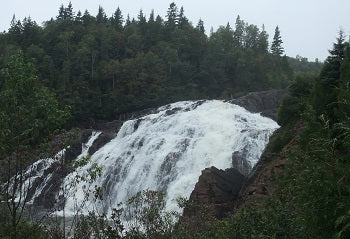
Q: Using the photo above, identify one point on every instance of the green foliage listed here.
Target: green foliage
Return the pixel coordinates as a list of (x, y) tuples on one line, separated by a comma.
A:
[(101, 67), (289, 110), (29, 112), (312, 196), (294, 102), (301, 65), (82, 162), (24, 230), (326, 88), (99, 226), (276, 46), (29, 115), (280, 139)]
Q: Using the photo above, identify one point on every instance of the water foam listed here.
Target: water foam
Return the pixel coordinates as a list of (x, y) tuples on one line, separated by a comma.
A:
[(166, 151)]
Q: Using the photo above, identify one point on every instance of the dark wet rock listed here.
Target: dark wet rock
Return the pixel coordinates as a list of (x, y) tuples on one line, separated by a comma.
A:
[(101, 140), (75, 147), (73, 151), (172, 111), (109, 131), (50, 192), (195, 105), (85, 135), (239, 162), (137, 124), (216, 189), (264, 102), (111, 126)]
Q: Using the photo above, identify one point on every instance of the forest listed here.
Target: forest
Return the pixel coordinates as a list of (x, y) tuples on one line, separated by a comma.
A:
[(102, 67), (77, 69)]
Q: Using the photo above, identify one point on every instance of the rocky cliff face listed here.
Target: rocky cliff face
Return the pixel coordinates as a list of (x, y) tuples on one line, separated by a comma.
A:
[(260, 183), (215, 189), (264, 102)]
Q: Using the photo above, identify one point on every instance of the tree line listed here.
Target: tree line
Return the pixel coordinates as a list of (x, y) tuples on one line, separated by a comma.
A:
[(103, 66)]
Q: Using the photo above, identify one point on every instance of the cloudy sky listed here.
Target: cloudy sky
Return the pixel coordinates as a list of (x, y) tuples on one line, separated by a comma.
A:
[(308, 27)]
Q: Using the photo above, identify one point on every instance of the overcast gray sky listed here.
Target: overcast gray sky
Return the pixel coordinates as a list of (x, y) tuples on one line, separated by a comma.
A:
[(308, 27)]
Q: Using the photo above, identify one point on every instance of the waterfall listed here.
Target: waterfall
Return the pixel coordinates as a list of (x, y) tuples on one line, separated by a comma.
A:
[(166, 151), (163, 151)]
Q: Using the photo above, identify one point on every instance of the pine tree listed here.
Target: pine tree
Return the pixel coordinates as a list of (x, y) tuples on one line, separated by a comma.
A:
[(276, 46), (238, 33), (16, 30), (68, 12), (181, 18), (87, 18), (101, 15), (172, 15), (326, 88), (141, 18), (127, 21), (200, 26), (78, 17), (60, 13), (151, 17), (344, 89), (263, 43), (117, 19)]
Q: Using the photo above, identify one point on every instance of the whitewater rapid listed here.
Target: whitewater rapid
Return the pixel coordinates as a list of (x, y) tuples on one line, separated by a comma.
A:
[(166, 151)]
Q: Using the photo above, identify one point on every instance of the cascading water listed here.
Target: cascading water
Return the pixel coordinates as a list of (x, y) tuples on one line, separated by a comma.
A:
[(164, 151)]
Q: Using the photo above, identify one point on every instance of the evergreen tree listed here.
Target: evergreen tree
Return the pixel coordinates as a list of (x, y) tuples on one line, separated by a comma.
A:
[(101, 15), (181, 18), (263, 43), (79, 17), (127, 21), (141, 18), (326, 88), (200, 26), (151, 17), (117, 19), (172, 14), (344, 89), (60, 13), (238, 33), (68, 12), (276, 46), (72, 59), (87, 18), (16, 30)]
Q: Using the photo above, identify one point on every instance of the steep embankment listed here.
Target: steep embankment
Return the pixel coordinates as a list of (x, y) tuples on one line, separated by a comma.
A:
[(260, 183)]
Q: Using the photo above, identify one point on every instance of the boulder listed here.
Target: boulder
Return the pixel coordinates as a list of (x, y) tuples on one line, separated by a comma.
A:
[(216, 189), (264, 102)]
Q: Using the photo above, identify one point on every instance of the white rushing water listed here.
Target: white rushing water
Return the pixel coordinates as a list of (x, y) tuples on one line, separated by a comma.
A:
[(166, 151)]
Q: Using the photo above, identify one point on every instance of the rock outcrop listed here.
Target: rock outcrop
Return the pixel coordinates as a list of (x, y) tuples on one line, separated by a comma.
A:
[(216, 189), (240, 163), (264, 102)]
